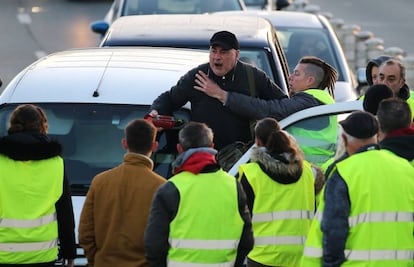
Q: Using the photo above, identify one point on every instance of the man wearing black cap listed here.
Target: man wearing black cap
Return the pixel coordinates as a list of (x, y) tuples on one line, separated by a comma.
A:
[(224, 70), (368, 205)]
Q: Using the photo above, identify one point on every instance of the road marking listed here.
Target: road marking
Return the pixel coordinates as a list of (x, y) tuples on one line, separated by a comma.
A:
[(24, 18)]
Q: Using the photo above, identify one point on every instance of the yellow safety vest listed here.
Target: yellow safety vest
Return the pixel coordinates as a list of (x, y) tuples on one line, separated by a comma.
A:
[(381, 225), (207, 228), (318, 144), (281, 215), (28, 225)]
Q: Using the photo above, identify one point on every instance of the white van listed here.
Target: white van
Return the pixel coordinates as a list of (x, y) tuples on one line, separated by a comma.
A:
[(89, 95)]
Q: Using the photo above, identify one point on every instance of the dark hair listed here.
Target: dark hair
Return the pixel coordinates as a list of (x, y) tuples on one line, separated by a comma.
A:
[(325, 75), (195, 134), (28, 118), (140, 135), (275, 140), (393, 113)]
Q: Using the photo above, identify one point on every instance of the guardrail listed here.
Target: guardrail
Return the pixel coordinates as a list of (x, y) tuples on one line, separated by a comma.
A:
[(359, 46)]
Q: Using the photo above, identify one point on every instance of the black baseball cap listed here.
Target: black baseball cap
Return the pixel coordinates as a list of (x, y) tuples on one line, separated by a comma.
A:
[(225, 39), (360, 124)]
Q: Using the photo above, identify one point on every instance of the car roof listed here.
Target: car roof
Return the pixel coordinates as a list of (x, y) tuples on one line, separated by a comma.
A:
[(282, 18), (119, 75), (134, 30)]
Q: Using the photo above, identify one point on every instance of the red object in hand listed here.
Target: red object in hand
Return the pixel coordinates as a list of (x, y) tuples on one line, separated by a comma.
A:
[(161, 121)]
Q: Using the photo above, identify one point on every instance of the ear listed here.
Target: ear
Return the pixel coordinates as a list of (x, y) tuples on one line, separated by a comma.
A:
[(237, 54), (124, 143), (311, 81), (154, 146), (180, 149)]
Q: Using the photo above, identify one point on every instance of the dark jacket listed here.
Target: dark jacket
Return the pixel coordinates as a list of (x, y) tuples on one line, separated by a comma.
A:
[(255, 108), (400, 142), (165, 207), (35, 146), (228, 127)]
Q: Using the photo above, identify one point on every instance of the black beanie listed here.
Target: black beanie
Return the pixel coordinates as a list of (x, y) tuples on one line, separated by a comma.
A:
[(374, 95)]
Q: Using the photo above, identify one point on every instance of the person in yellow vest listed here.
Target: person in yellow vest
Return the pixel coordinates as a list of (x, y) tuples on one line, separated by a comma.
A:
[(116, 208), (199, 217), (280, 192), (36, 212), (396, 128), (366, 216), (311, 84), (392, 73)]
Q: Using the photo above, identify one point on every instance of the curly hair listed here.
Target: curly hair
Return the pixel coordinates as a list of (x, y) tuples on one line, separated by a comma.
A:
[(28, 118)]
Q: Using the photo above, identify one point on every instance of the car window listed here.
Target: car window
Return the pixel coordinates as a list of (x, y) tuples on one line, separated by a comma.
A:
[(91, 137), (258, 58), (307, 42), (141, 7)]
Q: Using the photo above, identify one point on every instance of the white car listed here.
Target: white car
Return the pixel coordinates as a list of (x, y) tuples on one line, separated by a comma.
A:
[(301, 34), (89, 95)]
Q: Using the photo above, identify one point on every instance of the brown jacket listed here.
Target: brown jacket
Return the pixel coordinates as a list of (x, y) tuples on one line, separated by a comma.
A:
[(115, 213)]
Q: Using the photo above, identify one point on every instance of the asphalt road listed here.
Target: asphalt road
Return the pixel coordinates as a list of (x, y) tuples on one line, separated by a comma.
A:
[(31, 29), (390, 20)]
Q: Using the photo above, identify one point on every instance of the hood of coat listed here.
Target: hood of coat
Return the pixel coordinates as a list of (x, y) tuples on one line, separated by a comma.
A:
[(400, 142), (277, 167), (29, 146), (374, 62)]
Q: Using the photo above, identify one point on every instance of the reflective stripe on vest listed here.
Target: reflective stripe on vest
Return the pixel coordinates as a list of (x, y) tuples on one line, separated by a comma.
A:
[(366, 255), (282, 215), (381, 217), (204, 244), (171, 263), (20, 247), (28, 223), (279, 240)]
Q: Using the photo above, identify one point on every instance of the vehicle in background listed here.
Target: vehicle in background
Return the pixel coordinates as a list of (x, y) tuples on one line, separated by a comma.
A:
[(148, 7), (259, 43), (89, 95), (266, 4), (301, 34)]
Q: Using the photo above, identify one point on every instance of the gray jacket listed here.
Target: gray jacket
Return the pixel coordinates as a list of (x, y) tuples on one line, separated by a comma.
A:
[(256, 109)]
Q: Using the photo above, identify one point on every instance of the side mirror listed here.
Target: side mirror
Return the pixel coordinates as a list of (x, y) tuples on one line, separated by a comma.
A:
[(100, 27), (362, 81), (280, 4)]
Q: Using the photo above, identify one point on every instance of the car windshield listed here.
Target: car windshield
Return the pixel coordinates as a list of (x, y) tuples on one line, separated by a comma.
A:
[(91, 137), (141, 7), (298, 42)]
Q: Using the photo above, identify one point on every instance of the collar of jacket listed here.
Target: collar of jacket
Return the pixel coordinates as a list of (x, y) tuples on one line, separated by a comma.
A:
[(138, 159), (29, 146)]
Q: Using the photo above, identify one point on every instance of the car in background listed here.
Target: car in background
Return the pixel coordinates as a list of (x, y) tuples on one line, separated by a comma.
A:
[(301, 34), (267, 4), (89, 95), (121, 8), (258, 40)]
